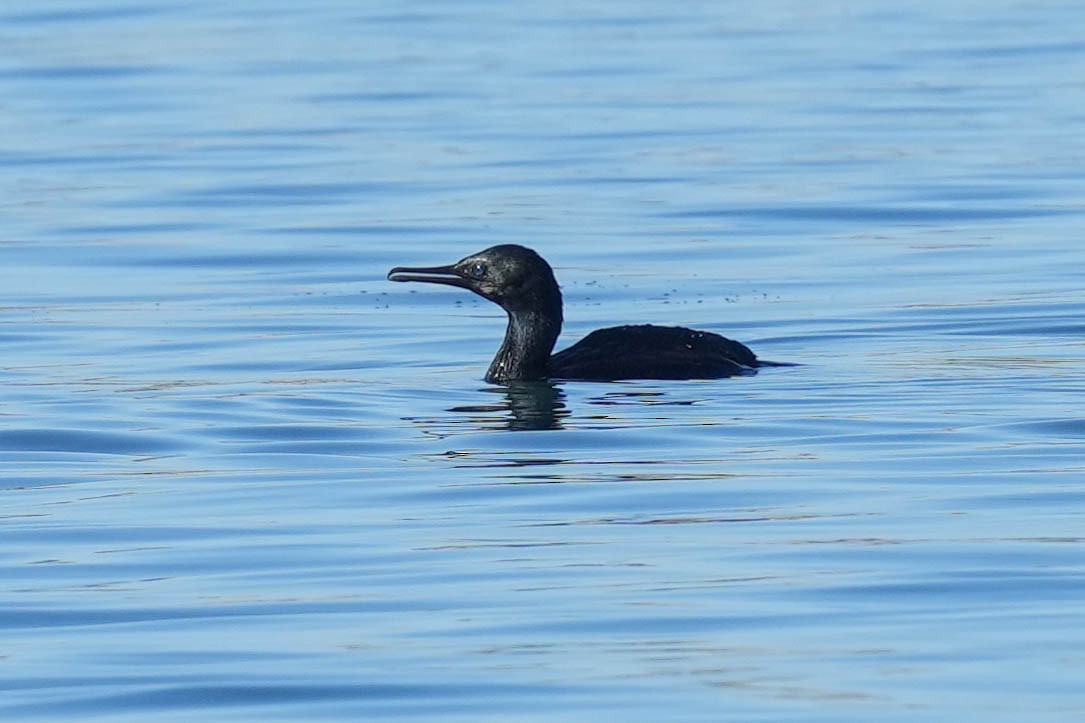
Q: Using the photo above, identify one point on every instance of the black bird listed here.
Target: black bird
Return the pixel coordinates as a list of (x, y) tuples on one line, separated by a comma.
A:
[(522, 283)]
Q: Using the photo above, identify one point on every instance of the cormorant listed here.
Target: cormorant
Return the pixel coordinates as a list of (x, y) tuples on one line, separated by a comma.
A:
[(522, 283)]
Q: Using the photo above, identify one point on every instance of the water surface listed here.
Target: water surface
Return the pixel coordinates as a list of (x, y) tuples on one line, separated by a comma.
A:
[(245, 477)]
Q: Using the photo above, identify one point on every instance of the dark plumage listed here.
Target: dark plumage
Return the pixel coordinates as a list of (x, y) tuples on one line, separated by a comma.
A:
[(523, 284), (652, 352)]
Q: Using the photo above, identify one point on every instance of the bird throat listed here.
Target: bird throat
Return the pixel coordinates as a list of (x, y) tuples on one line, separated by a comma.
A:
[(525, 353)]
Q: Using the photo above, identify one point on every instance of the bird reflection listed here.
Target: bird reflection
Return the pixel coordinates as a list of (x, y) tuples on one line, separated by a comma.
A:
[(526, 406), (543, 405)]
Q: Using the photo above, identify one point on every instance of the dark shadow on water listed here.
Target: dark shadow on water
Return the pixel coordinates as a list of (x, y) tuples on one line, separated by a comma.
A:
[(525, 406)]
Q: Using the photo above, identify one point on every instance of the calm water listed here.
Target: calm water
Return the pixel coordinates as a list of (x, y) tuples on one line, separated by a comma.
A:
[(246, 478)]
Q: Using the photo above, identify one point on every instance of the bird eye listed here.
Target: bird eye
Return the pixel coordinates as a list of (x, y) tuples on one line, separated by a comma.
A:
[(478, 269)]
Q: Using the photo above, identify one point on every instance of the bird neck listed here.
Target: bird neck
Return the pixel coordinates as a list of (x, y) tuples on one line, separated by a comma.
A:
[(525, 353)]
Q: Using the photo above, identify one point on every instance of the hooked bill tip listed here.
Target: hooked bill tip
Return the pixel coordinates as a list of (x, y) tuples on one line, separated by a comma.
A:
[(434, 275), (405, 273)]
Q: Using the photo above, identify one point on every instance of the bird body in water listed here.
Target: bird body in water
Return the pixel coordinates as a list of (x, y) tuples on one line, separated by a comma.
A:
[(523, 284)]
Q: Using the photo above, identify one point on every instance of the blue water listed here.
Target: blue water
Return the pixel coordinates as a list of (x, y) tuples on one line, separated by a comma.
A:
[(244, 477)]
